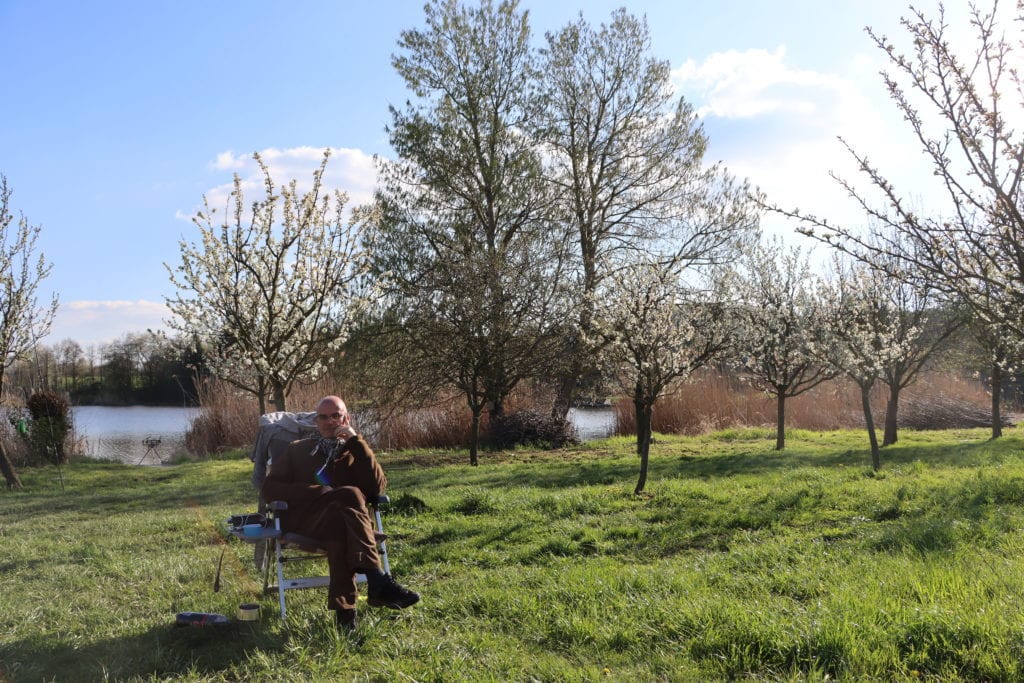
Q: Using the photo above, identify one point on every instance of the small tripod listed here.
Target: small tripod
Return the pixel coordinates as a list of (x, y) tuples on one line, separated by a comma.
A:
[(151, 442)]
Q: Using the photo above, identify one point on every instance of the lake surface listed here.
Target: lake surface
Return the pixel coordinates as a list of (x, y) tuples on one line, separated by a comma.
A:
[(121, 433), (146, 435), (593, 423)]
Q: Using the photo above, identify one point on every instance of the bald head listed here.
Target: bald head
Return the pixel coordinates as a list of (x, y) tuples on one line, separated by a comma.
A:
[(333, 402), (331, 416)]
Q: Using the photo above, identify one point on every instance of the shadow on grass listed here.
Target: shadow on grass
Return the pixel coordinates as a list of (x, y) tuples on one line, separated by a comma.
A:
[(160, 651), (101, 491)]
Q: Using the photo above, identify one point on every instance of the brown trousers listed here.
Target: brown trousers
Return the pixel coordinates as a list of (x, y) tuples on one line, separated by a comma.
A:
[(341, 519)]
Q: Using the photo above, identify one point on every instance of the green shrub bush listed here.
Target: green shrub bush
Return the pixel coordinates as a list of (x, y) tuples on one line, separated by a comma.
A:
[(50, 425)]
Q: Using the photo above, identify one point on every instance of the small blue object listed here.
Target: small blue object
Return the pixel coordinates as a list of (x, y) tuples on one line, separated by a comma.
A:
[(252, 530), (200, 619)]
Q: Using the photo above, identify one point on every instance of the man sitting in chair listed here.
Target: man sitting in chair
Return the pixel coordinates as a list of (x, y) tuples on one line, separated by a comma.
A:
[(326, 482)]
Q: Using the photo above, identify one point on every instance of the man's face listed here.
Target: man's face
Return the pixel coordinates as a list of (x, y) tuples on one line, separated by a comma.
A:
[(330, 416)]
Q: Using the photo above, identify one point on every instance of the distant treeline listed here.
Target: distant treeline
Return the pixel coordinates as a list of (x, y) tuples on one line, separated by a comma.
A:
[(138, 369)]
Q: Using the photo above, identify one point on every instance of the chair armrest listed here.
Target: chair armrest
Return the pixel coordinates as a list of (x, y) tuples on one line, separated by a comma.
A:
[(380, 502)]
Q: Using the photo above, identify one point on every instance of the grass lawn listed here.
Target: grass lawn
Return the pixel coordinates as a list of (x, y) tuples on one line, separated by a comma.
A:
[(739, 563)]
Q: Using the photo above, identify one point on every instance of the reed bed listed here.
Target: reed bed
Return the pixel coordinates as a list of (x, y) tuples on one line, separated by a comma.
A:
[(710, 401), (714, 401)]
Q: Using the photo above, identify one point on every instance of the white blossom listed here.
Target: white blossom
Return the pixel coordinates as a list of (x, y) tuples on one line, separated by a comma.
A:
[(272, 290)]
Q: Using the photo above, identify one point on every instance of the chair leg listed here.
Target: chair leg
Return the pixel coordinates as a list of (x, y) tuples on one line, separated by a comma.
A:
[(266, 561), (280, 575), (259, 555), (382, 546)]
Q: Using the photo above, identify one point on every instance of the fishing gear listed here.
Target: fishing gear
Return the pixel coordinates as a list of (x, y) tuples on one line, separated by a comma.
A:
[(216, 579)]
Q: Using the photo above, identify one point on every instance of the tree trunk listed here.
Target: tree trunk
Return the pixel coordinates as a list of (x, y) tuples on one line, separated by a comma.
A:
[(892, 408), (279, 400), (497, 408), (474, 438), (865, 399), (564, 397), (997, 393), (643, 440), (261, 394), (780, 421), (10, 474), (643, 424)]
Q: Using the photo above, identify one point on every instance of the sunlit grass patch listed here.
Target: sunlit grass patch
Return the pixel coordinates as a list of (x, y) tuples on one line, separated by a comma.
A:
[(739, 562)]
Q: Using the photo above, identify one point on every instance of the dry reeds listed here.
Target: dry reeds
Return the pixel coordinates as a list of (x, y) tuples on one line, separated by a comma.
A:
[(446, 423), (443, 425), (229, 418), (711, 401), (941, 401), (714, 401)]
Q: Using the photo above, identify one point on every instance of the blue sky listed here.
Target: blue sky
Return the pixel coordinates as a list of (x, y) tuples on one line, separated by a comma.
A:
[(118, 117)]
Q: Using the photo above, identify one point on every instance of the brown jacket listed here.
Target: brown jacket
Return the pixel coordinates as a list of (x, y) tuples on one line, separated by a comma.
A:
[(292, 476)]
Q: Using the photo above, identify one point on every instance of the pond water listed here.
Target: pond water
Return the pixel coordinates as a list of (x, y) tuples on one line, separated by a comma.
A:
[(593, 423), (147, 435), (144, 435)]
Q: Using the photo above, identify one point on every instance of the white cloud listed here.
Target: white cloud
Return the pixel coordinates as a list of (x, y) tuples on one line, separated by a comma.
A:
[(779, 125), (228, 161), (350, 170), (98, 322), (752, 83)]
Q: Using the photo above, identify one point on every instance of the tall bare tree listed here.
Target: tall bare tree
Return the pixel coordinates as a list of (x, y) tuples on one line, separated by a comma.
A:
[(627, 159), (23, 322), (273, 287), (466, 246), (69, 363)]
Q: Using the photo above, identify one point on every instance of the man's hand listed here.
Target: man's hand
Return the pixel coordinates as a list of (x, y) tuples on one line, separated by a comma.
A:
[(344, 431)]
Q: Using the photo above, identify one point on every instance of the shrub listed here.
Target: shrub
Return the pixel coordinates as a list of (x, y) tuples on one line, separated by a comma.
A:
[(530, 428), (50, 425)]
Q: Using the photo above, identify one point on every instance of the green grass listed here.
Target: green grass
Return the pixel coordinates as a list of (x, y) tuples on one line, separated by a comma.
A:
[(738, 563)]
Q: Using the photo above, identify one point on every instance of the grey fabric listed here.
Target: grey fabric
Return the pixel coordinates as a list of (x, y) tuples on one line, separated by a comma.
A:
[(276, 431)]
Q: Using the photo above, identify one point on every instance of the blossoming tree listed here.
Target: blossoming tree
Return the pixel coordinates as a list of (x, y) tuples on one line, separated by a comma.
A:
[(272, 289), (22, 321), (871, 337), (963, 111), (780, 324), (660, 330)]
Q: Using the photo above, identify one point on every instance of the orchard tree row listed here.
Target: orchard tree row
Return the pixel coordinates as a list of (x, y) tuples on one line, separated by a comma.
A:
[(549, 215)]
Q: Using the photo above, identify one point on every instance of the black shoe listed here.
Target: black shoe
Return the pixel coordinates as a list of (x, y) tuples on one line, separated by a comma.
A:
[(387, 593), (346, 620)]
